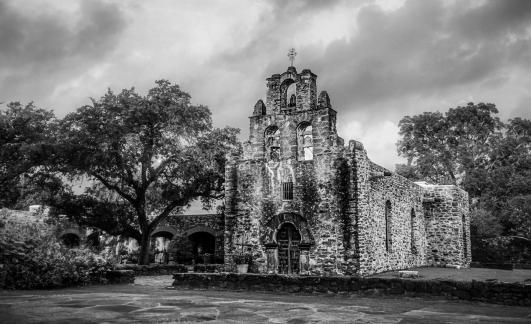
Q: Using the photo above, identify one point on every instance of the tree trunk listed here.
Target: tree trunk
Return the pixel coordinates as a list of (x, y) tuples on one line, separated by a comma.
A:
[(143, 257)]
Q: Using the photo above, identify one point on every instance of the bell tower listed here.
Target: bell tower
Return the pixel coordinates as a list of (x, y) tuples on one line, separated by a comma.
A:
[(291, 91)]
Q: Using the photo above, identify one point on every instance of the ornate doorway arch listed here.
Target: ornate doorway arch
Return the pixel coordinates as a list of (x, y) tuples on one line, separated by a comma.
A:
[(288, 240)]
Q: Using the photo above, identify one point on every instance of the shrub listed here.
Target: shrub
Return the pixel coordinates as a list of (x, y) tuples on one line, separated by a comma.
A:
[(33, 258)]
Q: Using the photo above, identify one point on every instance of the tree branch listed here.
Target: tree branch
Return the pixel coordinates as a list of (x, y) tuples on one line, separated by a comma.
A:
[(155, 222), (114, 187)]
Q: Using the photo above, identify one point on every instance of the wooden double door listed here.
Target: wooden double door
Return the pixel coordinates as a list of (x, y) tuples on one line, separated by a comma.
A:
[(288, 240)]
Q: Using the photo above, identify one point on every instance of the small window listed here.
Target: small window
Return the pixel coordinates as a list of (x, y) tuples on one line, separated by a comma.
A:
[(287, 190), (388, 226)]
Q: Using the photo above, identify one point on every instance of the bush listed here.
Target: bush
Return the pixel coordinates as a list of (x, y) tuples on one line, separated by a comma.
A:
[(32, 258)]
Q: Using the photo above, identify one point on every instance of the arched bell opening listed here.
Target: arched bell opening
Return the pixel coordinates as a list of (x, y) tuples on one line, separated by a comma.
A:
[(305, 141), (272, 143), (288, 95)]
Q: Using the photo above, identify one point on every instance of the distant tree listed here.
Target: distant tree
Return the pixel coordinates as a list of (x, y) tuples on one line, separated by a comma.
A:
[(507, 190), (149, 155), (25, 174), (470, 147), (450, 148)]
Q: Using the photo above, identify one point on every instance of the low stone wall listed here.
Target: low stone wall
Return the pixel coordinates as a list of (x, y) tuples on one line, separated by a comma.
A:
[(498, 293), (153, 269)]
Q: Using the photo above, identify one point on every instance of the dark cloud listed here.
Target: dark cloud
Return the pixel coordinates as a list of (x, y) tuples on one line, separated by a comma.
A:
[(425, 48), (35, 49)]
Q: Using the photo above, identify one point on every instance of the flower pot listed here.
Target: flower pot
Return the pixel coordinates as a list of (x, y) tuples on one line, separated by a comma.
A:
[(242, 268)]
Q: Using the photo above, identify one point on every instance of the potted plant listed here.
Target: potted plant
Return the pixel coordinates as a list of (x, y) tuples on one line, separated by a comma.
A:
[(242, 261)]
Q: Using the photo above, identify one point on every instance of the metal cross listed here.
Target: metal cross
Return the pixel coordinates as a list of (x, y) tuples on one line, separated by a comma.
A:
[(291, 55)]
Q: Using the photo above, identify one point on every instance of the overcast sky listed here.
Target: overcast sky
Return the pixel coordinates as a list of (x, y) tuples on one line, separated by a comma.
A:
[(378, 60)]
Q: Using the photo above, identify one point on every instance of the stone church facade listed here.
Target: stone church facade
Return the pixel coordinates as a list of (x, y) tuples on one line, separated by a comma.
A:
[(301, 201)]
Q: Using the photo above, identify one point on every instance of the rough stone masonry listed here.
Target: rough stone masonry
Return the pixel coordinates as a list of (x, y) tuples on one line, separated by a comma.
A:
[(301, 201)]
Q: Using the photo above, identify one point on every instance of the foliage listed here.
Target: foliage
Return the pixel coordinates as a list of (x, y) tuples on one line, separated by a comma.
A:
[(309, 197), (447, 148), (341, 190), (33, 258), (25, 135), (484, 224), (242, 258), (150, 156)]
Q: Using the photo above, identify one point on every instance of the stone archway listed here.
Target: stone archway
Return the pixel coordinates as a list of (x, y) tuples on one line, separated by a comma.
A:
[(269, 231), (160, 244), (70, 237), (287, 240), (203, 246)]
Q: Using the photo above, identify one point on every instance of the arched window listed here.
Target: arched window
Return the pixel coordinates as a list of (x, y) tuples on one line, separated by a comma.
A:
[(288, 95), (388, 226), (465, 240), (413, 221), (272, 143), (305, 142)]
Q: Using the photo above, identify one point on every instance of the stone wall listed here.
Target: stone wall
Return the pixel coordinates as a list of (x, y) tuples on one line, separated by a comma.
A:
[(373, 188), (498, 293), (447, 225)]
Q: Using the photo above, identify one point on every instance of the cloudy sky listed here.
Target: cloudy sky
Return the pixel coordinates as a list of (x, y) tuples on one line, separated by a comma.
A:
[(378, 60)]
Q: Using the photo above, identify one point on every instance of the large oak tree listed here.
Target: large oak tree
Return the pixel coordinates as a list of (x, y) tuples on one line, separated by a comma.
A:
[(147, 157)]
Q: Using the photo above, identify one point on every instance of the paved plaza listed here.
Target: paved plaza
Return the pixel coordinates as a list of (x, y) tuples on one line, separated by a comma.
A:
[(150, 301)]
